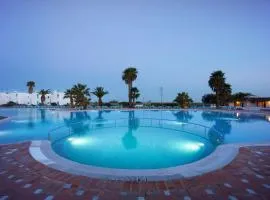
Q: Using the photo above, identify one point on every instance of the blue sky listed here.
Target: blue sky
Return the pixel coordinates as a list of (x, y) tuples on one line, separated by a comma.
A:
[(173, 43)]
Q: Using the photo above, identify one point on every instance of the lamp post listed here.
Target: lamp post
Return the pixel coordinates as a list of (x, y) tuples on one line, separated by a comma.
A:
[(161, 95)]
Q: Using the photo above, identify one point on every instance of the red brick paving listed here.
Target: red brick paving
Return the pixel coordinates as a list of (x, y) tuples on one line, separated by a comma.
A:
[(247, 177)]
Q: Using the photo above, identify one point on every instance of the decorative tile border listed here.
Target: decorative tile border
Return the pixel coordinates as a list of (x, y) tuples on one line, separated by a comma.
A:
[(222, 156)]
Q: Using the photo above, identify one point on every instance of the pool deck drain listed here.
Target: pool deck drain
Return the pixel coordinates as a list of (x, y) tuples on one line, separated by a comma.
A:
[(246, 177)]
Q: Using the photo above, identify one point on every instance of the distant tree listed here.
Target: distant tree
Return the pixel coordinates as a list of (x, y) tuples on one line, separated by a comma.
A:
[(30, 85), (99, 93), (217, 82), (225, 94), (239, 96), (113, 102), (81, 95), (69, 94), (129, 75), (209, 99), (43, 94), (135, 94), (183, 100)]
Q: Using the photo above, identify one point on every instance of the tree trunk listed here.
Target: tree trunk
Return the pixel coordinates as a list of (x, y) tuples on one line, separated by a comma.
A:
[(99, 101), (217, 100), (129, 94), (71, 102), (30, 90), (42, 99)]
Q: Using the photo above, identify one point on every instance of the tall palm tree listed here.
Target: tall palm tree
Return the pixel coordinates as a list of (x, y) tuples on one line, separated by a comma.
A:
[(225, 94), (30, 85), (43, 94), (135, 94), (69, 93), (183, 100), (99, 93), (129, 75), (81, 95), (216, 83)]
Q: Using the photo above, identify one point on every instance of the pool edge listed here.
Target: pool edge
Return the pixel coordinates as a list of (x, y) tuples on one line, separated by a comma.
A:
[(224, 154)]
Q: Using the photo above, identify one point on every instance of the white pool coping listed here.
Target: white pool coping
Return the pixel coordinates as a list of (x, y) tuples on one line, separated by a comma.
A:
[(42, 152)]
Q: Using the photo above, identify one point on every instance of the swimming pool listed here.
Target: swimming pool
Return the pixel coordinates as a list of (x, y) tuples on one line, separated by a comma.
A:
[(141, 139)]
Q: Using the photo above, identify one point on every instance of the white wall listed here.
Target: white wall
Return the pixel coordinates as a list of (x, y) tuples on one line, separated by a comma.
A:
[(34, 99)]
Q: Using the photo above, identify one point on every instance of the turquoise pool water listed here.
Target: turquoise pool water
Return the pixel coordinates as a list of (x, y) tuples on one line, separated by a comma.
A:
[(140, 139)]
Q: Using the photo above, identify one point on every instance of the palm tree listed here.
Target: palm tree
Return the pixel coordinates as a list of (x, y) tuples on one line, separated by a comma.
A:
[(69, 93), (135, 94), (129, 75), (183, 100), (30, 85), (216, 83), (225, 94), (99, 93), (81, 95), (43, 94)]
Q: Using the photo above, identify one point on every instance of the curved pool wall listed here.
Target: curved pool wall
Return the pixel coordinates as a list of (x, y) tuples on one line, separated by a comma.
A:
[(134, 143)]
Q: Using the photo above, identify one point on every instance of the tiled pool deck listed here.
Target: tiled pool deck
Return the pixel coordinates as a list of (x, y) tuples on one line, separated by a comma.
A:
[(22, 177)]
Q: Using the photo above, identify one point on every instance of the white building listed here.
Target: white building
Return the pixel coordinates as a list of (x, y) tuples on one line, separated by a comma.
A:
[(32, 99)]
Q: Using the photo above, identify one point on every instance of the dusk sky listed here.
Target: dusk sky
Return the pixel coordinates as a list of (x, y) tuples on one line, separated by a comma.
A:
[(175, 44)]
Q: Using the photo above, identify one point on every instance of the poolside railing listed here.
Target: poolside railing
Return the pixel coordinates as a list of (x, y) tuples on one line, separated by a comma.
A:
[(80, 128)]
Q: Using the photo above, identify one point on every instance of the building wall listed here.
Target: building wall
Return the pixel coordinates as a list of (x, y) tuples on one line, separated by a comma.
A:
[(268, 104), (32, 99), (251, 104)]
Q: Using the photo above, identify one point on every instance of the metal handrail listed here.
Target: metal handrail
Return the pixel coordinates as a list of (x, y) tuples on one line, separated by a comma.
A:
[(92, 126), (75, 122)]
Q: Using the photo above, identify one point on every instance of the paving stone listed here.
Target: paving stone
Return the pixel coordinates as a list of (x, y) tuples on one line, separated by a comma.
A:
[(244, 180), (209, 191), (259, 176), (27, 185), (250, 191), (80, 192), (95, 197), (238, 174), (250, 163), (230, 197), (50, 197), (167, 192), (227, 185), (266, 186), (187, 198), (256, 169), (38, 191), (11, 176), (19, 181), (123, 193), (4, 197), (67, 186)]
